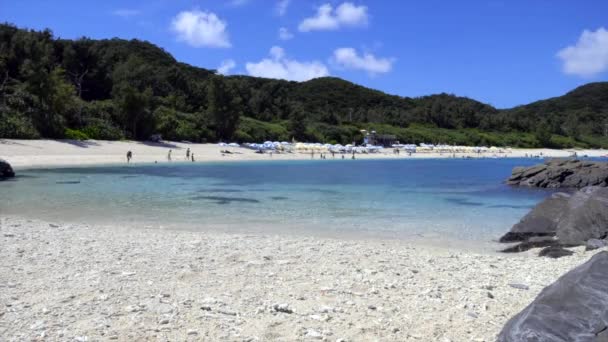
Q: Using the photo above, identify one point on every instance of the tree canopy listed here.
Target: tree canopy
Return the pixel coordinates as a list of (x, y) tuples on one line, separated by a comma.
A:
[(131, 89)]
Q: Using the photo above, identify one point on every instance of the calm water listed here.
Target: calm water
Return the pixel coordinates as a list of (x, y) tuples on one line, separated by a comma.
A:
[(453, 199)]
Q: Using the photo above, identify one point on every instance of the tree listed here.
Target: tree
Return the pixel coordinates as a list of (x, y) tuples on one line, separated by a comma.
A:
[(543, 135), (135, 108), (55, 98), (297, 124), (223, 108)]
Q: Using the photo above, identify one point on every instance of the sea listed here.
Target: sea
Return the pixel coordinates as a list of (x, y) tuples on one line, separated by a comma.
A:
[(412, 199)]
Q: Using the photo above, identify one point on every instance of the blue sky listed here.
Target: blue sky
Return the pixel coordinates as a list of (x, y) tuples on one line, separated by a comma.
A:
[(503, 53)]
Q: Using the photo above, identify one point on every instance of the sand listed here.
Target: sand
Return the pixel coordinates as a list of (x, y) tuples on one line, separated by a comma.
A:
[(56, 153), (86, 283), (75, 281)]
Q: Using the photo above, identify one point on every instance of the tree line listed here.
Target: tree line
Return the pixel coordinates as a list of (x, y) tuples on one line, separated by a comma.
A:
[(131, 89)]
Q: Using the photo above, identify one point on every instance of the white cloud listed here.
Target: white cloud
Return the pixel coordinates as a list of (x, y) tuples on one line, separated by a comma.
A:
[(284, 34), (346, 14), (226, 66), (200, 29), (126, 13), (349, 58), (282, 7), (281, 67), (589, 56)]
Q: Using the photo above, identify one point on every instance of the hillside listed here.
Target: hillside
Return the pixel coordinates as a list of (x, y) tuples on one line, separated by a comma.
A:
[(116, 89)]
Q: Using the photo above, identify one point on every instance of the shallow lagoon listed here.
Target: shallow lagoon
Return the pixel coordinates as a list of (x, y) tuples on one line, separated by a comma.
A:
[(454, 199)]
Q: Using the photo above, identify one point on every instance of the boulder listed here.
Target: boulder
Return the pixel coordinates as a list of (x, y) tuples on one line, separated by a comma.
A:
[(586, 217), (563, 220), (561, 173), (542, 220), (554, 252), (532, 242), (574, 308), (6, 171), (595, 244)]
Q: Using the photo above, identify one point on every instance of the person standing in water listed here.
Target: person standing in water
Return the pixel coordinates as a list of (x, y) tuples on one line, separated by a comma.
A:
[(129, 156), (169, 156), (192, 157)]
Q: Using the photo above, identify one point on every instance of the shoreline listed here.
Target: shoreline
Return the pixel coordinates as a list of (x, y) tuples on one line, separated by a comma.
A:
[(66, 281), (30, 154)]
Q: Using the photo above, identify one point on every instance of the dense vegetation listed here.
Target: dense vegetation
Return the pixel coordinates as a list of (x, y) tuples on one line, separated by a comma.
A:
[(118, 89)]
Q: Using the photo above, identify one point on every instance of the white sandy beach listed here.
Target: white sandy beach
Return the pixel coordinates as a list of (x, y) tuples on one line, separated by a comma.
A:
[(41, 153), (85, 283), (64, 281)]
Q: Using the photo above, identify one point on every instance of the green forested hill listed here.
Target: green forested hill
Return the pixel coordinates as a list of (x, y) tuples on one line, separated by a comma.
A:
[(116, 89)]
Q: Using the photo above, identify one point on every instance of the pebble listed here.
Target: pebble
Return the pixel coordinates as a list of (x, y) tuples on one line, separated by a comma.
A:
[(314, 334), (326, 309), (519, 286), (282, 308)]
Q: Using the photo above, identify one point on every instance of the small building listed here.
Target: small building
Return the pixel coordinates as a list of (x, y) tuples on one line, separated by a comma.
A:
[(373, 138)]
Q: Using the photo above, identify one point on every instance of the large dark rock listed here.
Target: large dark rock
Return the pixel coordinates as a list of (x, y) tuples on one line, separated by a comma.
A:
[(586, 217), (554, 252), (562, 220), (561, 173), (6, 171), (542, 220), (574, 308)]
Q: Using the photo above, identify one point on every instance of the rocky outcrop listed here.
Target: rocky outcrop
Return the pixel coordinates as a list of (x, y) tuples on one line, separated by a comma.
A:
[(561, 173), (563, 220), (6, 171), (542, 220), (585, 217), (571, 309)]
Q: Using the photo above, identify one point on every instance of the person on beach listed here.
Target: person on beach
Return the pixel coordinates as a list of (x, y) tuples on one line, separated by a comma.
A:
[(129, 156), (188, 153), (169, 156), (193, 157)]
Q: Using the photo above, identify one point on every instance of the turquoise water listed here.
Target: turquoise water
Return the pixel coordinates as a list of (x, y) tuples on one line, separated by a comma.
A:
[(447, 198)]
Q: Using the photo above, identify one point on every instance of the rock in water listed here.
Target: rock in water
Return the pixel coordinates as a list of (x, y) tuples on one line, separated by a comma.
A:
[(561, 173), (571, 309), (541, 221), (586, 217), (6, 171)]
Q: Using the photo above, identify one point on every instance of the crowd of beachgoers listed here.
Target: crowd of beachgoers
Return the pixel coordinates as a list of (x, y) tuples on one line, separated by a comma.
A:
[(45, 153), (367, 148)]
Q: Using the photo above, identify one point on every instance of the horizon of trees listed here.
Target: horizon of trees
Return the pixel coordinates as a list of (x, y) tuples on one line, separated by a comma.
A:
[(117, 89)]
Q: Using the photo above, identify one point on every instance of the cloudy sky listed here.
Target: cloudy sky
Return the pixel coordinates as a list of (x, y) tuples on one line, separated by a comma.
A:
[(502, 52)]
